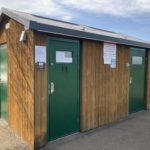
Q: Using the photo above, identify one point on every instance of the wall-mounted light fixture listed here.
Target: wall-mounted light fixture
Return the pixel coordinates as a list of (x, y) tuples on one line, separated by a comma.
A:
[(23, 36), (7, 26)]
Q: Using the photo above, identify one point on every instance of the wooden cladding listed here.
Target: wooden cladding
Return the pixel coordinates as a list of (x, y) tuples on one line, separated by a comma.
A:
[(21, 83), (104, 91), (20, 80), (3, 33), (40, 97)]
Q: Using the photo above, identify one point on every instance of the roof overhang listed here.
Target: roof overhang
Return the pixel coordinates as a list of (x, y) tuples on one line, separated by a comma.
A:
[(41, 27), (84, 35), (12, 15)]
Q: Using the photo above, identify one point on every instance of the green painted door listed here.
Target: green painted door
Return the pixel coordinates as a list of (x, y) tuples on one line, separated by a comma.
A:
[(63, 88), (3, 82), (137, 80)]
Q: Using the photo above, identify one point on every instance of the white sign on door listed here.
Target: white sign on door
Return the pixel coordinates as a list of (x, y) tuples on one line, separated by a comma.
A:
[(63, 57)]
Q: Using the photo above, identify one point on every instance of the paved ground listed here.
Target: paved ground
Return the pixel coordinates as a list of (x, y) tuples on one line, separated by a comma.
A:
[(130, 134), (8, 141)]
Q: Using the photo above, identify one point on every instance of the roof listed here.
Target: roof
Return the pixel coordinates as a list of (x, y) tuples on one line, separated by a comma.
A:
[(58, 27)]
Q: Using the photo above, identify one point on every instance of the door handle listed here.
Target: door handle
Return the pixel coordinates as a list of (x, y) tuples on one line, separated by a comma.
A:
[(52, 87), (130, 80)]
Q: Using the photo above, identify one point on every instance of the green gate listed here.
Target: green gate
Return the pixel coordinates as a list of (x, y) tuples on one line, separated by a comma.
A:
[(3, 82), (137, 80), (63, 88)]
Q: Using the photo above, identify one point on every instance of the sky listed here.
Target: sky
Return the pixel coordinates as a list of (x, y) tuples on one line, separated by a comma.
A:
[(130, 17)]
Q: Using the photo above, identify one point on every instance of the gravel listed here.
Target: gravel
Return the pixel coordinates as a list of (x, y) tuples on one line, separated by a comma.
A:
[(8, 140)]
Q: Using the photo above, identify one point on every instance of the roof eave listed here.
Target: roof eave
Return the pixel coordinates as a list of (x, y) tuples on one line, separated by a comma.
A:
[(1, 16), (12, 15), (29, 24), (84, 35)]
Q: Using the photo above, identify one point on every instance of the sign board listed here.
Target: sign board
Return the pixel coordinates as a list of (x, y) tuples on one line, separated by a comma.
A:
[(109, 54), (63, 57), (40, 54), (113, 63)]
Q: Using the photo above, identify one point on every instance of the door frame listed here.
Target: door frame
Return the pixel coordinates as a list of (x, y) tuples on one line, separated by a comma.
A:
[(64, 39), (6, 119), (145, 75)]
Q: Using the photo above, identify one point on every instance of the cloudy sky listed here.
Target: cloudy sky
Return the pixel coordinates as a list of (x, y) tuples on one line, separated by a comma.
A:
[(130, 16)]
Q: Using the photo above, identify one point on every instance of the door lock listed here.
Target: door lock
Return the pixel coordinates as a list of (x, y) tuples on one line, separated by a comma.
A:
[(52, 87), (130, 80)]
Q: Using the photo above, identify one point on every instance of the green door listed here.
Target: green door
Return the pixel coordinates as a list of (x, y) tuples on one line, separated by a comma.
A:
[(3, 82), (137, 80), (63, 88)]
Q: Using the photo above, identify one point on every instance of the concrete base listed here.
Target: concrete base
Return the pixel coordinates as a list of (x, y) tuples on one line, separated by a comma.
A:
[(132, 133)]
